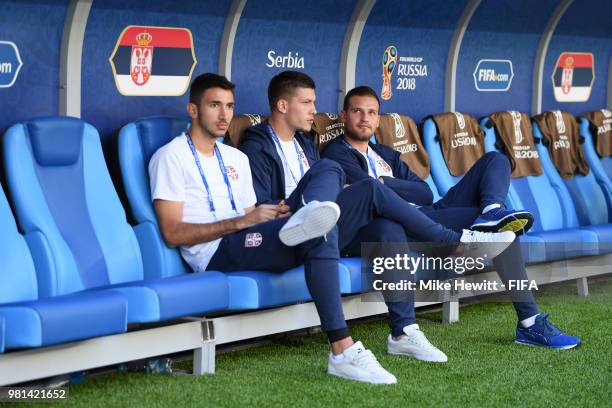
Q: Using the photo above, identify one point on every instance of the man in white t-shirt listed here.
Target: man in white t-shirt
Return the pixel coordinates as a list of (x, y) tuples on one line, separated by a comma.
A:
[(203, 195)]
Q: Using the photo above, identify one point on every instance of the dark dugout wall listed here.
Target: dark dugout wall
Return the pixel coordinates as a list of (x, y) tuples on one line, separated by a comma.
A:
[(505, 40), (35, 29), (276, 35), (102, 103), (586, 27), (471, 55), (421, 32)]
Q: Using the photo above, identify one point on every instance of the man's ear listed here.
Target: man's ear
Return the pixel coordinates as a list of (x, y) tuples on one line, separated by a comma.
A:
[(192, 110), (343, 115), (281, 105)]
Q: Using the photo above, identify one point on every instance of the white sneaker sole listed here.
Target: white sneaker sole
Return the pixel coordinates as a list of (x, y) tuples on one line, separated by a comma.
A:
[(369, 381), (318, 222), (491, 250), (420, 357), (571, 346)]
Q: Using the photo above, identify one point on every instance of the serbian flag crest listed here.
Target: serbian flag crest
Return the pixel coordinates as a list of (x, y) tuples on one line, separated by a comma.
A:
[(153, 61), (573, 76)]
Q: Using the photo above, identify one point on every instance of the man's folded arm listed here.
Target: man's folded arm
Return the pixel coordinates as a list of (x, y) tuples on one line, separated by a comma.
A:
[(417, 192)]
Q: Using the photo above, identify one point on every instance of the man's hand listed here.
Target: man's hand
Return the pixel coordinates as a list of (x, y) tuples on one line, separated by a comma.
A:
[(263, 213), (283, 210)]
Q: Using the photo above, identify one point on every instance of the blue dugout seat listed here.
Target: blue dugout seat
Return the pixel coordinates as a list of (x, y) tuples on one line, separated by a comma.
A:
[(76, 227), (600, 166), (555, 222), (26, 319), (1, 335), (441, 176), (555, 234), (587, 131), (138, 141), (394, 118), (587, 197)]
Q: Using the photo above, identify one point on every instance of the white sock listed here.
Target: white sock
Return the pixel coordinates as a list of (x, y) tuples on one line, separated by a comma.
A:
[(338, 358), (490, 207), (528, 322)]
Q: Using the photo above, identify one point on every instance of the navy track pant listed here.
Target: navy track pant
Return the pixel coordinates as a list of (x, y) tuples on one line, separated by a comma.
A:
[(320, 256), (365, 202)]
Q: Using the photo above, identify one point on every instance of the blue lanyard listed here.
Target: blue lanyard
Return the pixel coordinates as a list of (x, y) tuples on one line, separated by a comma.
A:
[(370, 161), (211, 204), (297, 150), (372, 165)]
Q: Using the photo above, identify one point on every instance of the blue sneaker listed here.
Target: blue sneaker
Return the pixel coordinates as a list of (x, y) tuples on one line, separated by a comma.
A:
[(500, 220), (545, 334)]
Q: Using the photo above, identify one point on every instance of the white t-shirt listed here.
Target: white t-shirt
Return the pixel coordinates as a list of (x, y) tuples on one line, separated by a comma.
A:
[(292, 164), (382, 168), (175, 177)]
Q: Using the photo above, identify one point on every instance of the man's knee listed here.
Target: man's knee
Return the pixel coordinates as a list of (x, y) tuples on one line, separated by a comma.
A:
[(497, 160), (366, 187)]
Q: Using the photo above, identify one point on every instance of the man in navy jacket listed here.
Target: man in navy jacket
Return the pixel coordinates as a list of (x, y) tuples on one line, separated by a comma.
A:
[(284, 159), (476, 202)]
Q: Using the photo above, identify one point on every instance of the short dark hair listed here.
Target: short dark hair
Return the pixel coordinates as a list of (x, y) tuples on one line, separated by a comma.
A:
[(207, 81), (283, 84), (359, 91)]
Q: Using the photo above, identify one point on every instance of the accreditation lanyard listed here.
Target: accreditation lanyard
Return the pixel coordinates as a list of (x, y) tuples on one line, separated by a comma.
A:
[(297, 150), (211, 204), (370, 160)]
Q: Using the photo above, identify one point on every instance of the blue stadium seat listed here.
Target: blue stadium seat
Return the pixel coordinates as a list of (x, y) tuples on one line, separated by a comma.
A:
[(442, 178), (28, 321), (555, 233), (1, 335), (78, 233), (586, 196), (138, 141), (606, 162), (429, 180), (600, 167)]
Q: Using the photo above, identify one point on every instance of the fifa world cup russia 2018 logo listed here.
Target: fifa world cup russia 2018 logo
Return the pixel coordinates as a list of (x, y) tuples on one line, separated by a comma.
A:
[(388, 66)]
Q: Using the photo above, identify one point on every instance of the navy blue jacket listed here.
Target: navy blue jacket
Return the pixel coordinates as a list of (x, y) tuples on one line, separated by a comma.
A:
[(266, 164), (404, 182)]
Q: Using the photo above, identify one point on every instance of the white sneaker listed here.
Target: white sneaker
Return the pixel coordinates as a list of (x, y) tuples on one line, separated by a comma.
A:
[(359, 364), (414, 344), (313, 220), (485, 244)]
